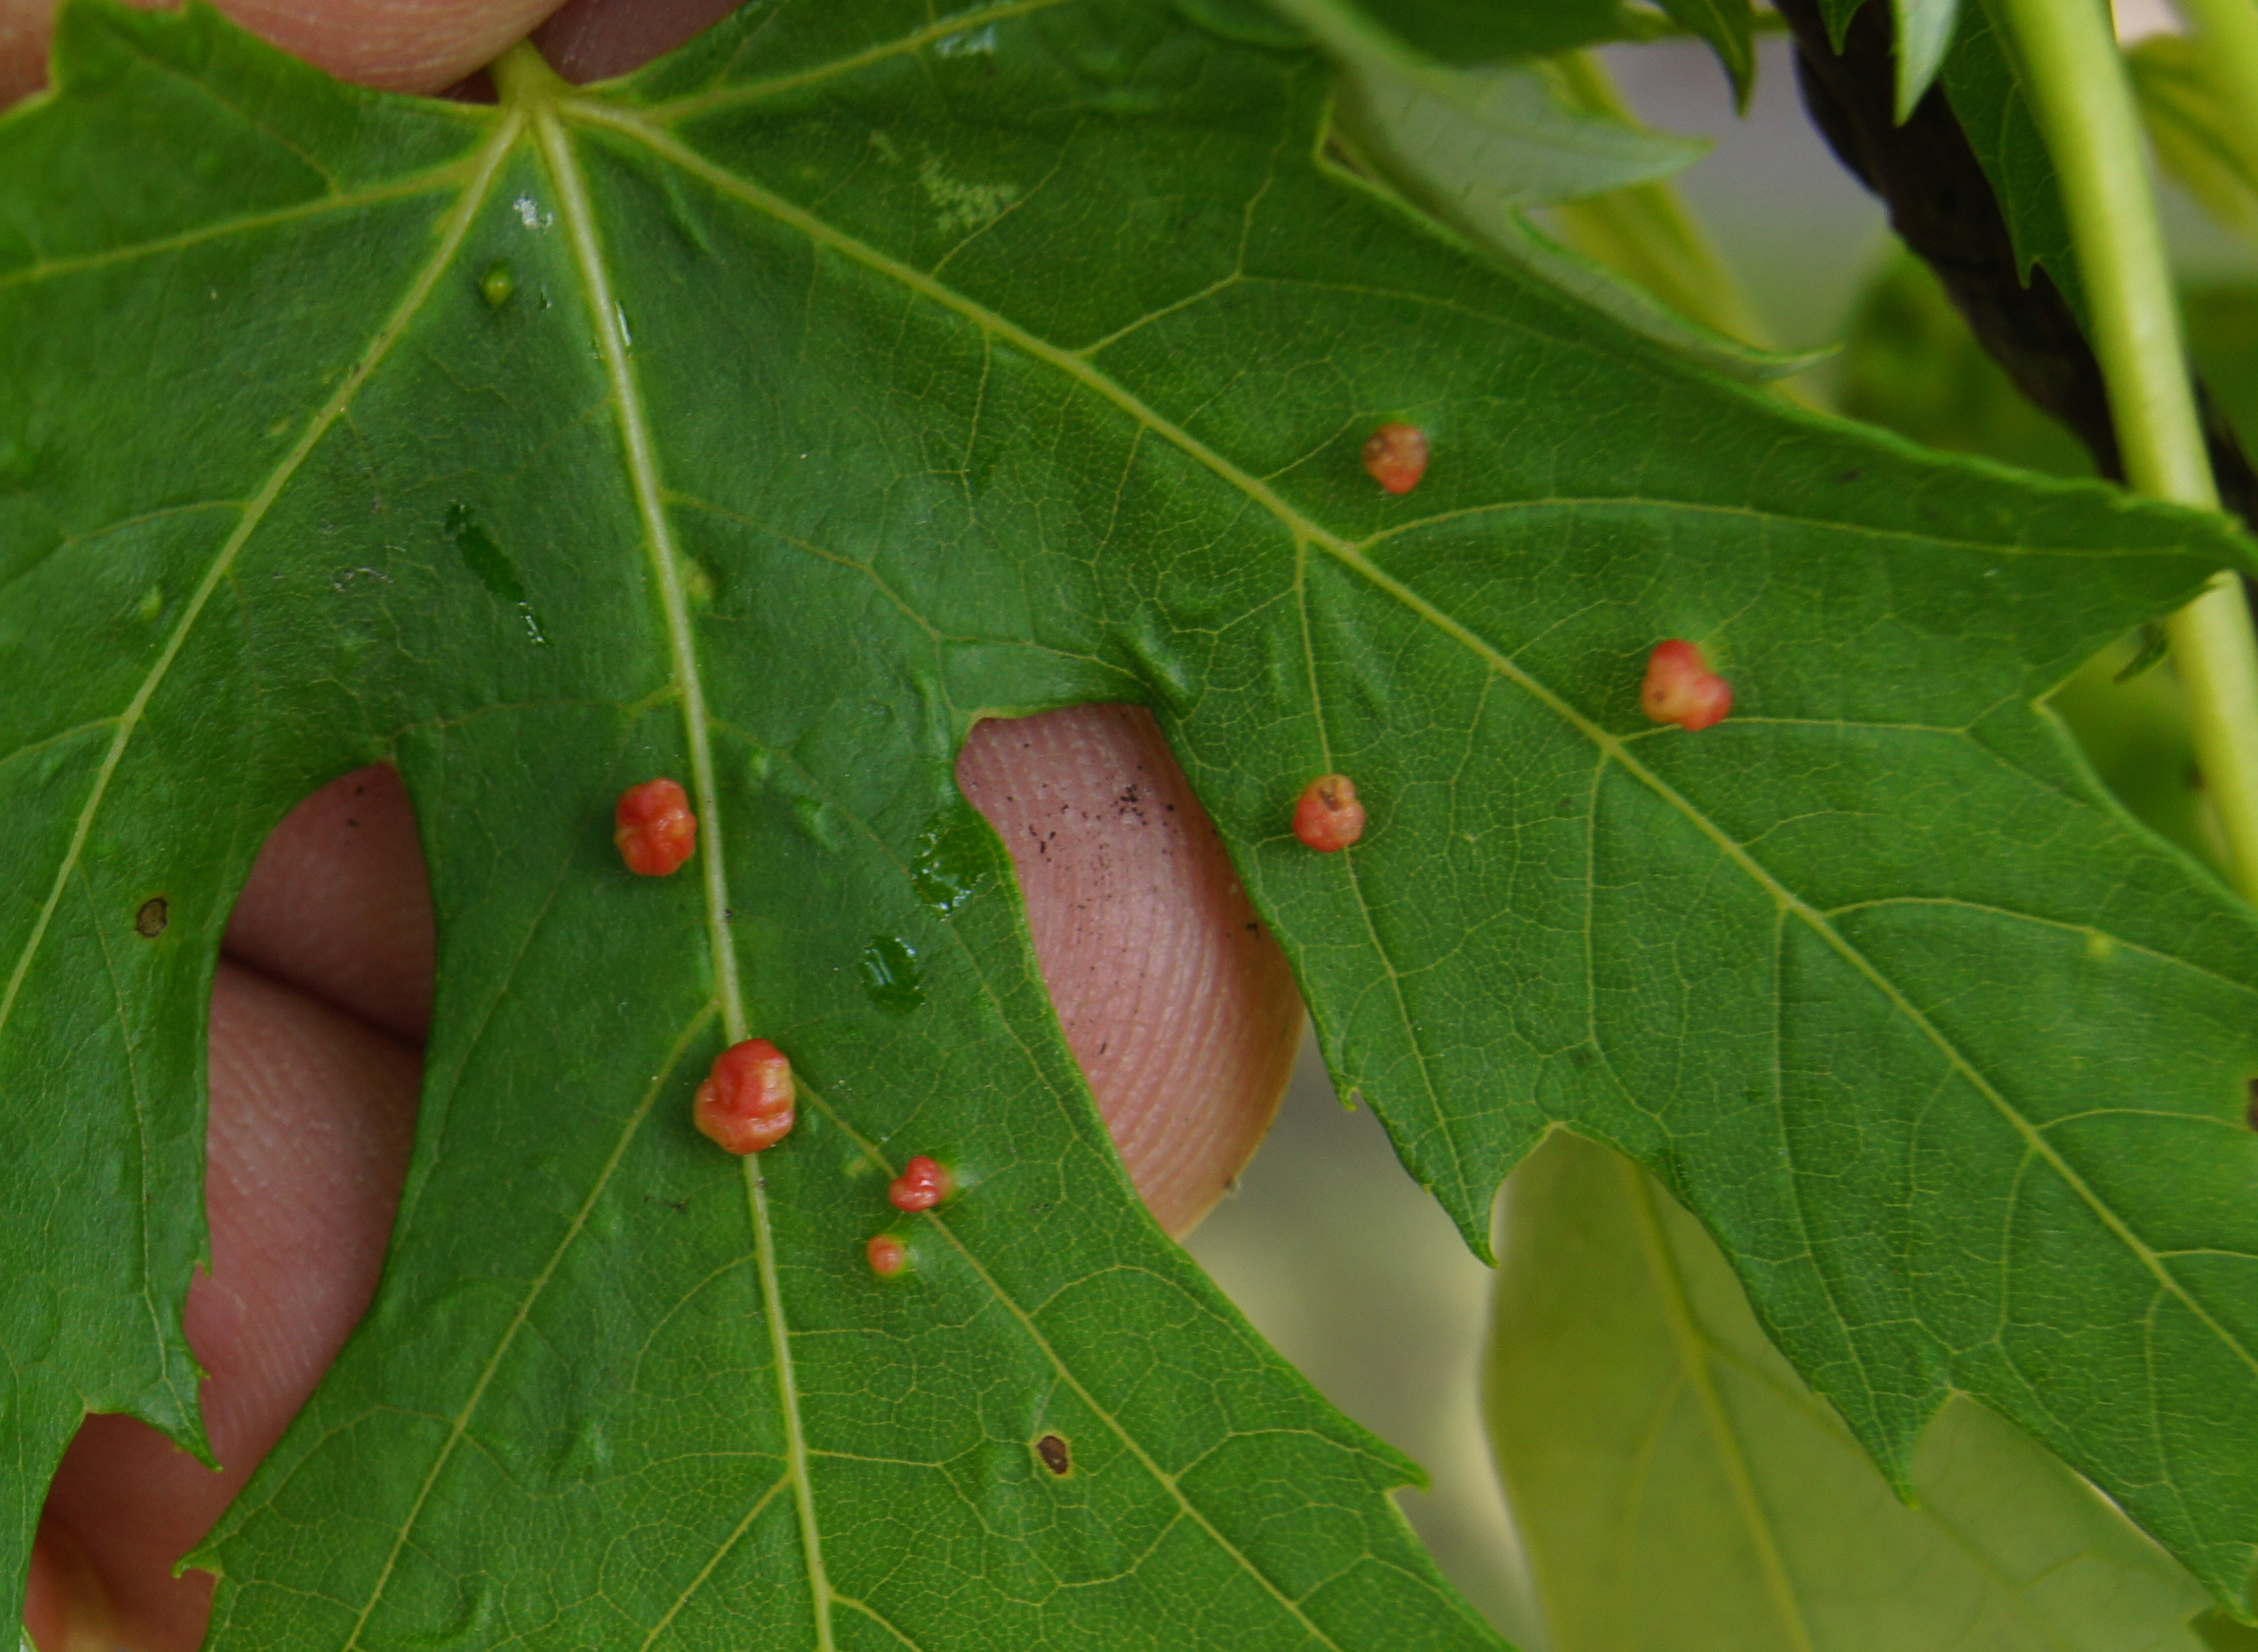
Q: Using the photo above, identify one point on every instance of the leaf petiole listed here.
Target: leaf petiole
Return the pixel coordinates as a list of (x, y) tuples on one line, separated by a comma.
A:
[(2078, 91)]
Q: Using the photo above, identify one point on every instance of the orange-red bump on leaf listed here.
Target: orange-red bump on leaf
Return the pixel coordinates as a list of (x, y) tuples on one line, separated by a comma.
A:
[(1397, 457), (745, 1102), (923, 1184), (888, 1255), (1328, 818), (1681, 687), (655, 829)]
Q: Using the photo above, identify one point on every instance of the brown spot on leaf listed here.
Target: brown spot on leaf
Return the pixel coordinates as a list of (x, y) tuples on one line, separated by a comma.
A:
[(1052, 1451), (155, 913)]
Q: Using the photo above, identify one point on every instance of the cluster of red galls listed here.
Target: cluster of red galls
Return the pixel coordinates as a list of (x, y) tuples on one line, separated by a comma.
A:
[(746, 1105), (746, 1102)]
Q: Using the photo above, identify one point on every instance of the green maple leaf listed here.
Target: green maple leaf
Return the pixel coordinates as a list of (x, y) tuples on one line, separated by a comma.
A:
[(768, 418), (1677, 1486)]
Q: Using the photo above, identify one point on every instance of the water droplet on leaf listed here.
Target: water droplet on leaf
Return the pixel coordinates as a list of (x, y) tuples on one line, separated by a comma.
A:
[(890, 974), (949, 863)]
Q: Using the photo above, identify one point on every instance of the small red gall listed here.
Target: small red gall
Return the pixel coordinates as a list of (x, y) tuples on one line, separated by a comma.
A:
[(1328, 818), (1397, 457), (888, 1255), (1681, 687), (745, 1102), (655, 829), (923, 1184)]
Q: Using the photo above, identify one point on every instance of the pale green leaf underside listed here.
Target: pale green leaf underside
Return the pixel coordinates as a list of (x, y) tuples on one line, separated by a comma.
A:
[(1503, 129), (1477, 147), (1676, 1486), (1924, 31), (2194, 128), (840, 379)]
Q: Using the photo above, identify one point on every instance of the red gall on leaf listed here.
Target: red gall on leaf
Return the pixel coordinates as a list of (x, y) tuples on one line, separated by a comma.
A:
[(1397, 457), (745, 1102), (923, 1184), (1328, 818), (656, 831), (1681, 687), (888, 1255)]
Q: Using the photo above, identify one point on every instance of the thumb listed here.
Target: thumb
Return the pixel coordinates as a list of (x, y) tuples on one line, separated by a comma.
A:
[(401, 45), (1175, 997)]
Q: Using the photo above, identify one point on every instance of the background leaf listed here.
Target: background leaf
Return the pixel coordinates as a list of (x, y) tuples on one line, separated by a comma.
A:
[(1677, 1486), (1477, 147), (1729, 27), (1466, 31), (1911, 365), (2196, 129), (1978, 75), (1924, 29), (1498, 139), (858, 376)]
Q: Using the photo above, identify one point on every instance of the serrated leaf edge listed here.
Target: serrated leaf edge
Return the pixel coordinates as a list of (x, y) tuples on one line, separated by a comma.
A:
[(480, 172), (1307, 533)]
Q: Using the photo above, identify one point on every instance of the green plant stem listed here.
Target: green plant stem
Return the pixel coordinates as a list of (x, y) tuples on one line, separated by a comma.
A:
[(2076, 85)]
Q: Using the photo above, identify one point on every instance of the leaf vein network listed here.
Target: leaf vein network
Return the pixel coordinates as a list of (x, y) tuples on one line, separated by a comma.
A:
[(254, 514), (455, 174), (964, 22), (722, 1551), (459, 1425), (1351, 557)]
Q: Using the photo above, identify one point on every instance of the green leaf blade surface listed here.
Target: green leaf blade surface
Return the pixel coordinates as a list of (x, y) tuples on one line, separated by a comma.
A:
[(1054, 394)]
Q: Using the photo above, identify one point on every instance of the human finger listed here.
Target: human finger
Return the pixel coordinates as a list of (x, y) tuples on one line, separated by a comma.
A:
[(311, 1117), (595, 40), (1175, 998), (401, 45), (338, 905)]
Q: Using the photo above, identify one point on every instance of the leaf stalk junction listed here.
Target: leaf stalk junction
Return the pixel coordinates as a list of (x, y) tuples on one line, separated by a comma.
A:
[(2079, 93)]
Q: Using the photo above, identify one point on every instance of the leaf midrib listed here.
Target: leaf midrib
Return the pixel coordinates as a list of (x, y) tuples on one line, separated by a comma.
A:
[(579, 215), (1350, 555), (1025, 1316)]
